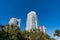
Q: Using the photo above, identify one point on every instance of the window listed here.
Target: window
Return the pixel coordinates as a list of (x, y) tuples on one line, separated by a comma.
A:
[(33, 22)]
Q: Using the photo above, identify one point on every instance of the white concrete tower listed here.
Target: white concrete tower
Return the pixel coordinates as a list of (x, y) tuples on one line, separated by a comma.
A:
[(42, 29), (32, 22), (15, 21)]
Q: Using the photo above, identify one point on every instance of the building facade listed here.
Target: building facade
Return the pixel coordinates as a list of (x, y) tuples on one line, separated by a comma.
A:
[(42, 29), (32, 22), (15, 21)]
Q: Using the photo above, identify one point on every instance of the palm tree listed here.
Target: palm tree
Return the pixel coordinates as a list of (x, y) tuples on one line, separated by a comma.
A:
[(57, 33)]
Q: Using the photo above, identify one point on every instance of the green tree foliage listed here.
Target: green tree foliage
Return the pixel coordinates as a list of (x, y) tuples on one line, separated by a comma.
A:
[(12, 32), (34, 35), (52, 39), (57, 33)]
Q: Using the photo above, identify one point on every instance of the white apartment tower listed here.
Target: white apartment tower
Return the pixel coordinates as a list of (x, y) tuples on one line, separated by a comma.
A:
[(14, 21), (32, 22), (42, 29)]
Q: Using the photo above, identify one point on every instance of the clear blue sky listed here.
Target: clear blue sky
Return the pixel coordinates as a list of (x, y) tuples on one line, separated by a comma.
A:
[(48, 12)]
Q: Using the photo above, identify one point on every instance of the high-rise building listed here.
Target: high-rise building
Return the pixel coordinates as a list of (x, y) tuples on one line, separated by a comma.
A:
[(14, 21), (32, 22), (42, 29)]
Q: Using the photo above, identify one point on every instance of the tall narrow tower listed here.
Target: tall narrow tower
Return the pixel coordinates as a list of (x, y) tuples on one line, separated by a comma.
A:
[(32, 22)]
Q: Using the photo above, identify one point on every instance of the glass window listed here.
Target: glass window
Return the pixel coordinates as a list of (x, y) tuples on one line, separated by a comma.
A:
[(33, 22)]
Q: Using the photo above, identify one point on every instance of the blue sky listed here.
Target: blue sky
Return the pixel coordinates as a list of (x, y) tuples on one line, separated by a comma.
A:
[(48, 12)]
